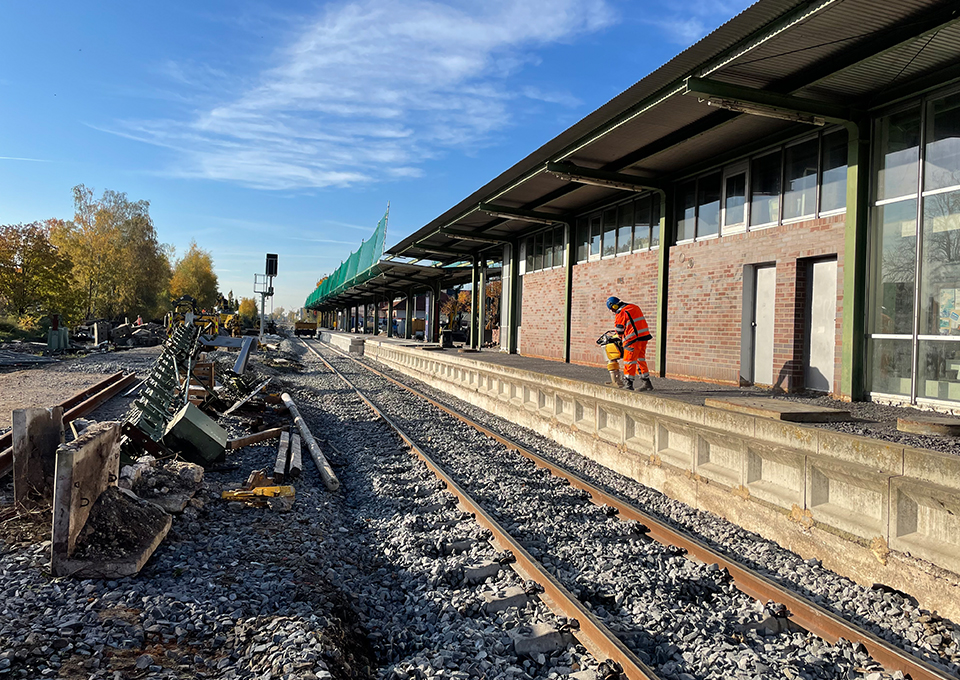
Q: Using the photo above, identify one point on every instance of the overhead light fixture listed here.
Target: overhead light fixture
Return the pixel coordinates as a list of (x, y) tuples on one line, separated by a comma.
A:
[(471, 237), (571, 172), (765, 111), (508, 213)]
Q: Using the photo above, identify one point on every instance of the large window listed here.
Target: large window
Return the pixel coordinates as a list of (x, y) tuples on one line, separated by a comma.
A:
[(629, 226), (735, 198), (545, 250), (708, 205), (800, 179), (913, 333), (625, 228), (609, 232), (765, 190), (833, 180), (687, 211)]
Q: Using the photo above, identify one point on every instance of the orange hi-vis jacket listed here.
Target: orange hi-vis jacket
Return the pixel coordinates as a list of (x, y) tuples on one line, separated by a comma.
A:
[(631, 325)]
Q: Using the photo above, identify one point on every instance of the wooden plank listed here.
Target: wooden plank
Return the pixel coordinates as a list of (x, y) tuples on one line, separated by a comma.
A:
[(280, 467), (941, 425), (255, 438), (778, 409), (296, 456)]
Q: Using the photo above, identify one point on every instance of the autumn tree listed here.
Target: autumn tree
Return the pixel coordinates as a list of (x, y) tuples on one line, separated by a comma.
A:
[(248, 311), (455, 307), (193, 275), (118, 263), (35, 275), (491, 312)]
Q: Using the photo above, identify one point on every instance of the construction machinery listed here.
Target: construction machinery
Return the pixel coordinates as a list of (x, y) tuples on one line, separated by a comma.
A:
[(613, 349), (305, 328)]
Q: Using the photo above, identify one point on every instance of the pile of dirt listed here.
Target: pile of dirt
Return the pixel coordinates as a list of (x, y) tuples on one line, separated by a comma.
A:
[(119, 525), (19, 526)]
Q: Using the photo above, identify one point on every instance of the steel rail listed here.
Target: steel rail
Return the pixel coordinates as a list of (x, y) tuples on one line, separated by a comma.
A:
[(77, 406), (803, 612), (592, 634)]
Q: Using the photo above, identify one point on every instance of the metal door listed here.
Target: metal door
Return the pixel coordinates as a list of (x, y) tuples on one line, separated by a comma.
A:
[(821, 325), (765, 293)]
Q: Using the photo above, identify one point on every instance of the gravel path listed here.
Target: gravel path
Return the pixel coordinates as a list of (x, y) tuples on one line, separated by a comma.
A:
[(889, 615)]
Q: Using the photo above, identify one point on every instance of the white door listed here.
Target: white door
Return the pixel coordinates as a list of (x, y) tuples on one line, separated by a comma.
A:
[(765, 293), (822, 325)]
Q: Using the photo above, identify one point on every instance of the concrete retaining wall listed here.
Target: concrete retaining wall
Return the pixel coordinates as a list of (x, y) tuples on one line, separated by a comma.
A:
[(343, 341), (874, 511)]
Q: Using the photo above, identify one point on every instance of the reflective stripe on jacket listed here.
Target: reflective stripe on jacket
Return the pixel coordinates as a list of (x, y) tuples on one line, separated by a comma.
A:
[(631, 325)]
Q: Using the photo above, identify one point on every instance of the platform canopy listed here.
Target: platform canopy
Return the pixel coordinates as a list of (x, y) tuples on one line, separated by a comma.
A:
[(779, 67), (387, 279)]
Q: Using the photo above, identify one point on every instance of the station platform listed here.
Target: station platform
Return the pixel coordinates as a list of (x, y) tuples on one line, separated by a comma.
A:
[(874, 510)]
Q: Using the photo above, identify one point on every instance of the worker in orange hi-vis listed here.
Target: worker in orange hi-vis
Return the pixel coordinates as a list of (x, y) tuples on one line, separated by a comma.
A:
[(633, 331)]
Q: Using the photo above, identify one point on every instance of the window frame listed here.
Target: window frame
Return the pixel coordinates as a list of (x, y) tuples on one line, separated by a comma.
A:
[(818, 136), (739, 168)]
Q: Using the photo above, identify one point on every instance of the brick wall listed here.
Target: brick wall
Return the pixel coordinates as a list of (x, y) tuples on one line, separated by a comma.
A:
[(706, 296), (541, 318)]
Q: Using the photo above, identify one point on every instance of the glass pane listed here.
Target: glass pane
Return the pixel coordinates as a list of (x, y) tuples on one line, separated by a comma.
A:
[(609, 232), (655, 222), (641, 222), (800, 179), (943, 145), (833, 185), (686, 211), (583, 239), (894, 262), (890, 365), (529, 252), (595, 234), (940, 265), (708, 212), (548, 250), (765, 189), (937, 370), (558, 245), (899, 140), (625, 231), (735, 198), (538, 252)]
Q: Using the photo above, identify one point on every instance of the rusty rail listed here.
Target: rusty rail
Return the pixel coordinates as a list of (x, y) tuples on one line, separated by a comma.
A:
[(77, 406), (593, 634), (809, 615)]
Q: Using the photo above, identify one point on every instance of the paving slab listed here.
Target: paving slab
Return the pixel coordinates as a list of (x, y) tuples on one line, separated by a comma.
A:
[(778, 409), (942, 425)]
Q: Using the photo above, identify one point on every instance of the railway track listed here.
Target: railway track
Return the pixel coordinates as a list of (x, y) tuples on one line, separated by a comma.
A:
[(614, 624)]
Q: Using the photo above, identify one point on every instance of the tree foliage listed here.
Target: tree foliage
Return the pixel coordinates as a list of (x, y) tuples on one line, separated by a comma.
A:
[(248, 311), (193, 275), (455, 307), (35, 275), (118, 264)]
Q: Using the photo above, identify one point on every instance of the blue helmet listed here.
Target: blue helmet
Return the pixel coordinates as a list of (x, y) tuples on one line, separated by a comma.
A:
[(614, 303)]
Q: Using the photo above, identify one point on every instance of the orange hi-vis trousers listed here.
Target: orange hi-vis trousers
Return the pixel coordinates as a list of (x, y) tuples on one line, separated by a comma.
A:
[(634, 357)]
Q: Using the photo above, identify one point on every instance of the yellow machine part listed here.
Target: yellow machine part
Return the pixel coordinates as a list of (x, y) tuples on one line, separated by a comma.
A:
[(258, 493), (613, 352)]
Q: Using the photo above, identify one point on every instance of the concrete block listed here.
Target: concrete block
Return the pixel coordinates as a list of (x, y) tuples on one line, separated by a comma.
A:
[(530, 398), (778, 409), (37, 432), (540, 638), (930, 425), (504, 599), (638, 432), (84, 468), (564, 407), (925, 521), (871, 453), (610, 423), (545, 402), (675, 409), (775, 475), (675, 444), (720, 459), (932, 466), (848, 497), (787, 434), (585, 415), (196, 435), (730, 422), (481, 571), (457, 547)]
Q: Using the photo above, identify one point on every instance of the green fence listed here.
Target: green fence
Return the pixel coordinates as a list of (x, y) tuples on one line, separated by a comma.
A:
[(354, 268)]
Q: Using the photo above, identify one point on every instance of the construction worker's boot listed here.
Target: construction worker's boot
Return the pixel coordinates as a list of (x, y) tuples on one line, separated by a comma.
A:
[(645, 385), (627, 384)]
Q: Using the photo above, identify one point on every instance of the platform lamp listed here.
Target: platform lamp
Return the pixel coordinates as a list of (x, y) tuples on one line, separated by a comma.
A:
[(263, 286)]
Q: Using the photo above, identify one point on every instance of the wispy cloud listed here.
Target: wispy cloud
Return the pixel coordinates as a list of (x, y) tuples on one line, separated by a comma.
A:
[(366, 91), (30, 160), (684, 22)]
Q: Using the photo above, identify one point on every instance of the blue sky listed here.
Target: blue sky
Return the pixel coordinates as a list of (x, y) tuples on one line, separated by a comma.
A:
[(258, 127)]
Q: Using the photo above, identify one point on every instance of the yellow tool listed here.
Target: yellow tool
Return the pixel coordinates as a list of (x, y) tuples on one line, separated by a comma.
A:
[(613, 347), (258, 495)]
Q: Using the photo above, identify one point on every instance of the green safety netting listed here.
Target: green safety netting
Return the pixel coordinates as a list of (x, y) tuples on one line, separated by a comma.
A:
[(356, 266)]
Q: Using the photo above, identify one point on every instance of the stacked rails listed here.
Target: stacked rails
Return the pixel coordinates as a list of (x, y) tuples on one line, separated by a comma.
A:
[(162, 393)]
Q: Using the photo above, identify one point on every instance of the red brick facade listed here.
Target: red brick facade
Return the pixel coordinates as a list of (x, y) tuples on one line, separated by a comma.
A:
[(704, 306)]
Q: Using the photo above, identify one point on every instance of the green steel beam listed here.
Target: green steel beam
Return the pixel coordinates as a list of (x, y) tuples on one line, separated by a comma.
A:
[(534, 216), (464, 236), (474, 298), (408, 312), (663, 279), (853, 350), (513, 299), (602, 178), (765, 103)]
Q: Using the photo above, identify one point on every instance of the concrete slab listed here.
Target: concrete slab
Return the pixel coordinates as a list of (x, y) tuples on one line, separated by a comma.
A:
[(37, 432), (504, 599), (941, 425), (85, 467), (480, 572), (778, 409), (540, 638)]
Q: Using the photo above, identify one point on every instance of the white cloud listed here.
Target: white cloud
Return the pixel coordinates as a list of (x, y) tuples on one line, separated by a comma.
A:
[(684, 22), (367, 90)]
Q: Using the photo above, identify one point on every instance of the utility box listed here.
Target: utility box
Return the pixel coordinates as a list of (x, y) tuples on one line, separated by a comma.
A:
[(196, 435), (271, 264)]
